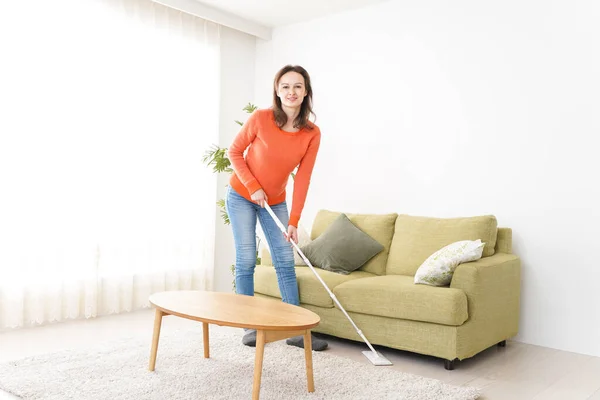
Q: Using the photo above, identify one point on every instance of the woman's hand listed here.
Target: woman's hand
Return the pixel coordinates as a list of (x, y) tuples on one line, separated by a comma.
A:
[(292, 234), (259, 197)]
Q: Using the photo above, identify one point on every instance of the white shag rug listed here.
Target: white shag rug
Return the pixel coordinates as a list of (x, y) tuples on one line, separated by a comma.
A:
[(119, 370)]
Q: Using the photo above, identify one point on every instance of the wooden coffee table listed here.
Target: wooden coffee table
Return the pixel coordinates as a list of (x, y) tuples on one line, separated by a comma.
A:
[(272, 319)]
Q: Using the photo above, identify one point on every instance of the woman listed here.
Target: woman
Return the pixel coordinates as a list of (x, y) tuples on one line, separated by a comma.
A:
[(277, 139)]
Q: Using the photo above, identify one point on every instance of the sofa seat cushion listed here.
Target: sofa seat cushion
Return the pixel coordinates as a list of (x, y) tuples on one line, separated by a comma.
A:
[(310, 289), (397, 296)]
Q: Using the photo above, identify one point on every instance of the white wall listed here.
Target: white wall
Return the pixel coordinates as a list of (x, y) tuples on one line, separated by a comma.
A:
[(237, 89), (463, 108)]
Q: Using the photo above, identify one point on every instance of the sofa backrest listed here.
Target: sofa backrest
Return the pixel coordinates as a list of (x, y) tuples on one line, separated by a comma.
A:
[(504, 241), (416, 238), (379, 226)]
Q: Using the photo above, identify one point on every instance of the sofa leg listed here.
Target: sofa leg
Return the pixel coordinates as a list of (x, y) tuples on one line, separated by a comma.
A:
[(449, 364), (502, 343)]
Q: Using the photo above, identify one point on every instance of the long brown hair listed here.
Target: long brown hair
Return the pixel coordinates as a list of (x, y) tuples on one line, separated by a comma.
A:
[(302, 120)]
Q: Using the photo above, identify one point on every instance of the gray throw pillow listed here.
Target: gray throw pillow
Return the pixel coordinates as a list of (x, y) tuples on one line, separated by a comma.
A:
[(342, 247)]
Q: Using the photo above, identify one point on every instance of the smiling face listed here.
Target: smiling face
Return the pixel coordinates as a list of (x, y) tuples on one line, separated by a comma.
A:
[(292, 97), (291, 89)]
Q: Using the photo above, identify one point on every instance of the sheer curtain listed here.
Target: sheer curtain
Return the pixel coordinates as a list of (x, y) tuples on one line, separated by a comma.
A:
[(106, 107)]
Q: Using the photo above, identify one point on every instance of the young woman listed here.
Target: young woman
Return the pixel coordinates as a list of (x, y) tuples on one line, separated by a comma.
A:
[(277, 139)]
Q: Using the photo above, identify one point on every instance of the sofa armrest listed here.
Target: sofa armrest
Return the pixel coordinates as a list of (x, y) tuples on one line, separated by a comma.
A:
[(265, 257), (492, 285)]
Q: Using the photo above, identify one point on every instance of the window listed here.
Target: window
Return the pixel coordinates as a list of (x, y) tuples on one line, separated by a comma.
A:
[(106, 109)]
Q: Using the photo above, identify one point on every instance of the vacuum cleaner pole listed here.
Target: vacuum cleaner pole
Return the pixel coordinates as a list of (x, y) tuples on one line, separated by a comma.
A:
[(373, 356)]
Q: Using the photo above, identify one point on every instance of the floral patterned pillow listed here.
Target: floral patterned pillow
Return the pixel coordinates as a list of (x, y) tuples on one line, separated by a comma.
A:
[(438, 269)]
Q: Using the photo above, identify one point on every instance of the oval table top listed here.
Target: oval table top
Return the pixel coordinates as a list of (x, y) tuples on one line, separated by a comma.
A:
[(229, 309)]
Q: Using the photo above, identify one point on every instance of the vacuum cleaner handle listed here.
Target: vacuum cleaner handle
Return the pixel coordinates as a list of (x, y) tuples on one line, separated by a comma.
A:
[(307, 261)]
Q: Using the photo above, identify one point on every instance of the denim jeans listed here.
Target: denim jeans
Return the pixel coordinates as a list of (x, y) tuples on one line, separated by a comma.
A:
[(243, 215)]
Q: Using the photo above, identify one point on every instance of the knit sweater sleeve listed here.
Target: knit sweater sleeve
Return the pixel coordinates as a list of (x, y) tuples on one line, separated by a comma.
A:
[(302, 179), (243, 139)]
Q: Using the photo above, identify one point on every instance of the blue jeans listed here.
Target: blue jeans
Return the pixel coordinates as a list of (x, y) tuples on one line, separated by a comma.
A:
[(243, 215)]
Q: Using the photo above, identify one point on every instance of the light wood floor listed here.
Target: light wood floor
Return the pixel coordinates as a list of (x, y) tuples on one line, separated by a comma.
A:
[(518, 371)]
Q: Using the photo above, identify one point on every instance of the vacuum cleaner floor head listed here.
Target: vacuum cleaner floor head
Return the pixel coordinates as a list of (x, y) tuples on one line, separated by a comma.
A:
[(376, 358)]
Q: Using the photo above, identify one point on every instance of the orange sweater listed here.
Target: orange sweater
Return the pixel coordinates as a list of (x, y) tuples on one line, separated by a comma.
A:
[(271, 158)]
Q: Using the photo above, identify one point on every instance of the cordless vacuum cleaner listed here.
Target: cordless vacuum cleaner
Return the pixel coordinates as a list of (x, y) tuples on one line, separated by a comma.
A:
[(373, 356)]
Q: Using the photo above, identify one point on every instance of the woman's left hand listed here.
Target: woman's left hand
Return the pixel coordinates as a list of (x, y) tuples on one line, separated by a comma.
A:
[(292, 234)]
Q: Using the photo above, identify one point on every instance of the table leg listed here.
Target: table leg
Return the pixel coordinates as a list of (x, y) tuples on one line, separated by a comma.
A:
[(258, 363), (309, 363), (157, 322), (205, 333)]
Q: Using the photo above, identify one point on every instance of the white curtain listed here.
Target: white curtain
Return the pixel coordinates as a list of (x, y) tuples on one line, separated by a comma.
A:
[(106, 107)]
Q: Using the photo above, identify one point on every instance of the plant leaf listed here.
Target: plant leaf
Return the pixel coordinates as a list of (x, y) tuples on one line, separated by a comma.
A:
[(224, 215), (250, 108), (217, 158)]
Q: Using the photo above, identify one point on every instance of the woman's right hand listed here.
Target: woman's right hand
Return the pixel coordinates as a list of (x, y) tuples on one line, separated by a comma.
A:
[(259, 197)]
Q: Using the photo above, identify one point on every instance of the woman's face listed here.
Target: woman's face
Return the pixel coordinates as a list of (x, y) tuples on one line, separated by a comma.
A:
[(291, 89)]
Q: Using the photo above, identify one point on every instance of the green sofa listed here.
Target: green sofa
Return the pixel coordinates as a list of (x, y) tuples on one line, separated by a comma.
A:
[(479, 309)]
